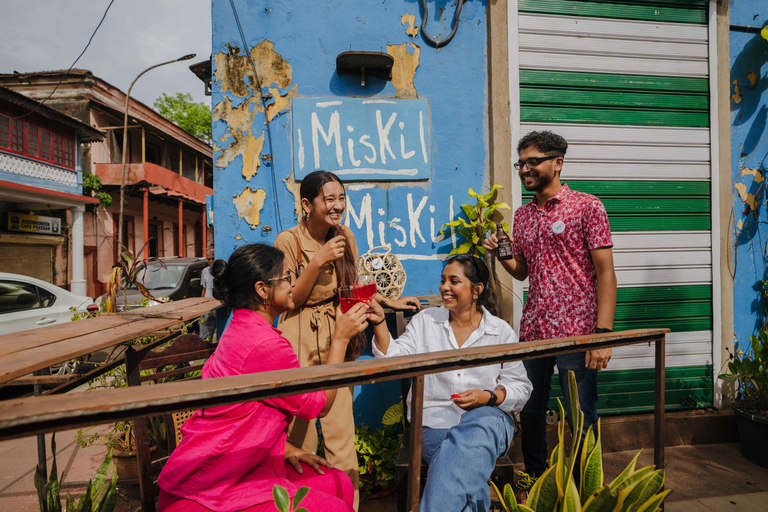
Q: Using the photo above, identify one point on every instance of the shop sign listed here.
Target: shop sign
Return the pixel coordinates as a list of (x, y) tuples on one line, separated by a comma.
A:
[(34, 223)]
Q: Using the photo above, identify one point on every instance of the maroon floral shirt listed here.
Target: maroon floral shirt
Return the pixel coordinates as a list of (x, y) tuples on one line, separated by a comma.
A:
[(555, 241)]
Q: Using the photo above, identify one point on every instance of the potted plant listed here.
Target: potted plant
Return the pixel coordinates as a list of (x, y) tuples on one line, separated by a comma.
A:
[(750, 371)]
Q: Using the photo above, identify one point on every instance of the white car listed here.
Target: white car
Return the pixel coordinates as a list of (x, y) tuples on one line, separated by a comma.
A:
[(28, 303)]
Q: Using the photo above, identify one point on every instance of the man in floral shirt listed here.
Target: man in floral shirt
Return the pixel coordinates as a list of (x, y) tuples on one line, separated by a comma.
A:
[(562, 244)]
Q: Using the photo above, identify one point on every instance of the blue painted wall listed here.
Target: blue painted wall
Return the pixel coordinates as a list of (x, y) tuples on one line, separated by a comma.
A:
[(309, 36), (749, 149)]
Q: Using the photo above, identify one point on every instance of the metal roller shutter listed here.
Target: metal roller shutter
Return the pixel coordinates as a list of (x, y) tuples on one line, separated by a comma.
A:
[(627, 84), (28, 260)]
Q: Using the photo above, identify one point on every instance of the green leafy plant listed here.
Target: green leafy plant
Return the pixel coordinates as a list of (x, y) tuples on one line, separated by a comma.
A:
[(377, 450), (283, 499), (634, 490), (99, 496), (750, 370), (91, 187), (479, 221), (127, 271)]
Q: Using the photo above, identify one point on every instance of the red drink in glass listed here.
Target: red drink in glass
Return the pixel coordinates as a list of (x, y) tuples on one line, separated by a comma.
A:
[(347, 303), (365, 292)]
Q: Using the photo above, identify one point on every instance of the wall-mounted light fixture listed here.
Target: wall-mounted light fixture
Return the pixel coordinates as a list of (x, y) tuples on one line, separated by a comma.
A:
[(364, 64)]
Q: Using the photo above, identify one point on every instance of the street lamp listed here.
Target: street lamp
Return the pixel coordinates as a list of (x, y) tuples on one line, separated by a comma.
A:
[(125, 146)]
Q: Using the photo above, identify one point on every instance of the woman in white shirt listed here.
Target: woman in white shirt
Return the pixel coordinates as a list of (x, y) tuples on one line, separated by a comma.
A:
[(467, 421)]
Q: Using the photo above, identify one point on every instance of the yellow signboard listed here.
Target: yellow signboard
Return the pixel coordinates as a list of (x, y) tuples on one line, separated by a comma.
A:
[(34, 223)]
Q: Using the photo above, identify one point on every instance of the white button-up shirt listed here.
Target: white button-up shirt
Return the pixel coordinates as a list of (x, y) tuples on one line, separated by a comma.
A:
[(430, 331)]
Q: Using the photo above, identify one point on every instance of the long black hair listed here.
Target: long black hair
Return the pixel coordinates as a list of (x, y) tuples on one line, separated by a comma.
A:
[(234, 281), (477, 273), (346, 267)]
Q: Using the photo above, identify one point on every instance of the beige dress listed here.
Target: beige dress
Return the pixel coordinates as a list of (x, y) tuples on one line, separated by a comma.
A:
[(309, 328)]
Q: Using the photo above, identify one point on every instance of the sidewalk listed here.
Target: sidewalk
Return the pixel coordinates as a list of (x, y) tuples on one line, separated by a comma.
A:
[(704, 478)]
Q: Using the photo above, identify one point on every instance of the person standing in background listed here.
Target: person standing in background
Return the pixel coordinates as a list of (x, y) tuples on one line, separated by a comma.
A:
[(562, 244), (208, 325)]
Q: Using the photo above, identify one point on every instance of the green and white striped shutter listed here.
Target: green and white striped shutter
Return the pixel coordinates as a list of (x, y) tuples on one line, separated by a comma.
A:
[(627, 84)]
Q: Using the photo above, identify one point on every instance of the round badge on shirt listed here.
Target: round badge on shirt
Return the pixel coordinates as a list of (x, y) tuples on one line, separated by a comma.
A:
[(558, 227)]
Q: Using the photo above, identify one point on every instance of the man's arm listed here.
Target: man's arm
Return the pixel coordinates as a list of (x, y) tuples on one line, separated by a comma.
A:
[(517, 267), (602, 258)]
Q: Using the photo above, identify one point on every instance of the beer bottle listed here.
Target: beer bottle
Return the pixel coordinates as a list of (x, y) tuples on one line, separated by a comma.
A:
[(504, 250)]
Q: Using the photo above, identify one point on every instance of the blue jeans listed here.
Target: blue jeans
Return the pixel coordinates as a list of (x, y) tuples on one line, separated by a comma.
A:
[(461, 460), (533, 417)]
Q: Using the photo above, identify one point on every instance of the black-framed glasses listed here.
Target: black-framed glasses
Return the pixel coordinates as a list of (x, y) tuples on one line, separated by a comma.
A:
[(533, 162), (289, 276)]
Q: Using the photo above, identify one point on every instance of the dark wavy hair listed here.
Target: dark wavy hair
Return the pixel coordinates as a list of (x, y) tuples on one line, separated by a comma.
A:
[(346, 267), (545, 141), (234, 281), (477, 273)]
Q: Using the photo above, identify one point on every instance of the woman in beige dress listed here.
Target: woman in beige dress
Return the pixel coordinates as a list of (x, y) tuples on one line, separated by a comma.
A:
[(323, 253)]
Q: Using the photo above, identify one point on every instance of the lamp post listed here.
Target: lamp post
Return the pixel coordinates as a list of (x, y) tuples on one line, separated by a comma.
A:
[(125, 147)]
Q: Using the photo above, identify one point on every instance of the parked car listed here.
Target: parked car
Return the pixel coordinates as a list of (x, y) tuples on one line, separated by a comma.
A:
[(28, 303), (167, 279)]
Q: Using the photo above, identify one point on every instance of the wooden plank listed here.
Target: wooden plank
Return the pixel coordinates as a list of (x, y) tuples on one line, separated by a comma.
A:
[(34, 356), (24, 417)]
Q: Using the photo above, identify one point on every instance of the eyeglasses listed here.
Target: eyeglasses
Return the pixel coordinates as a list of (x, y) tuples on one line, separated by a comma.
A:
[(209, 259), (289, 276), (533, 162)]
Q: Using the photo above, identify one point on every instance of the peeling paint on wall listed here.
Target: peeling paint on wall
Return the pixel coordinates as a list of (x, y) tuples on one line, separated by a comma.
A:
[(413, 29), (281, 103), (293, 187), (758, 175), (746, 197), (404, 69), (753, 78), (249, 204), (232, 68), (736, 96)]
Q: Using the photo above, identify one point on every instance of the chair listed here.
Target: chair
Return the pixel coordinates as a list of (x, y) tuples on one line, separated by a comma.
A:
[(503, 473)]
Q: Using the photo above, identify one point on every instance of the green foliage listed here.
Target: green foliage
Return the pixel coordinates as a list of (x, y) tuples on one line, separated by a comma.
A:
[(100, 495), (194, 118), (634, 490), (91, 187), (283, 500), (377, 450), (479, 221), (750, 369)]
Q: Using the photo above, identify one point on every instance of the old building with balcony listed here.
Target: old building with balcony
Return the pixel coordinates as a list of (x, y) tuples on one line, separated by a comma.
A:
[(168, 176)]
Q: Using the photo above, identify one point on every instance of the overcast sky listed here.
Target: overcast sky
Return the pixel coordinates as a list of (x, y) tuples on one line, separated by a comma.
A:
[(41, 35)]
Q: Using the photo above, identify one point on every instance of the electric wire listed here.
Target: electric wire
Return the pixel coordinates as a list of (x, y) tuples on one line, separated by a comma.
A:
[(40, 103), (266, 117)]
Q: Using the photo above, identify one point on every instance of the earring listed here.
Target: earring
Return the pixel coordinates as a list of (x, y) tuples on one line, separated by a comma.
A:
[(474, 296)]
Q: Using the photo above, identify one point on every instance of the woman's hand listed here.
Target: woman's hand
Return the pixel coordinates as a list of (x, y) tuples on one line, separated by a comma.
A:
[(403, 303), (471, 399), (351, 323), (332, 250), (294, 456), (375, 312)]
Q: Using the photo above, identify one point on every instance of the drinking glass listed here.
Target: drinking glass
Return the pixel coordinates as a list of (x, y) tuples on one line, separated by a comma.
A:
[(347, 298), (365, 290)]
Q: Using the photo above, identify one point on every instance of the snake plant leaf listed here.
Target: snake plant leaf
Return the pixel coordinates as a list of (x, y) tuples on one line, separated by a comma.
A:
[(101, 474), (99, 495), (525, 508), (53, 502), (619, 480), (591, 464), (571, 501), (603, 500), (111, 501), (85, 501), (652, 486), (577, 418), (40, 492), (70, 504), (502, 499), (654, 504), (509, 498), (639, 482), (545, 495)]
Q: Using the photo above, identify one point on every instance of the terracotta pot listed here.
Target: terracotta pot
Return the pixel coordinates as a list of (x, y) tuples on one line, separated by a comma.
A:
[(127, 467), (753, 434)]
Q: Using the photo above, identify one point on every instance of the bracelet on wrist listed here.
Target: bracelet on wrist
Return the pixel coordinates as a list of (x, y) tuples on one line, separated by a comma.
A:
[(601, 330), (380, 321)]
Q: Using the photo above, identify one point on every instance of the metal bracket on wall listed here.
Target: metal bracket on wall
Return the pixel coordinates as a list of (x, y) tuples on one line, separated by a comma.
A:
[(436, 42), (746, 28)]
